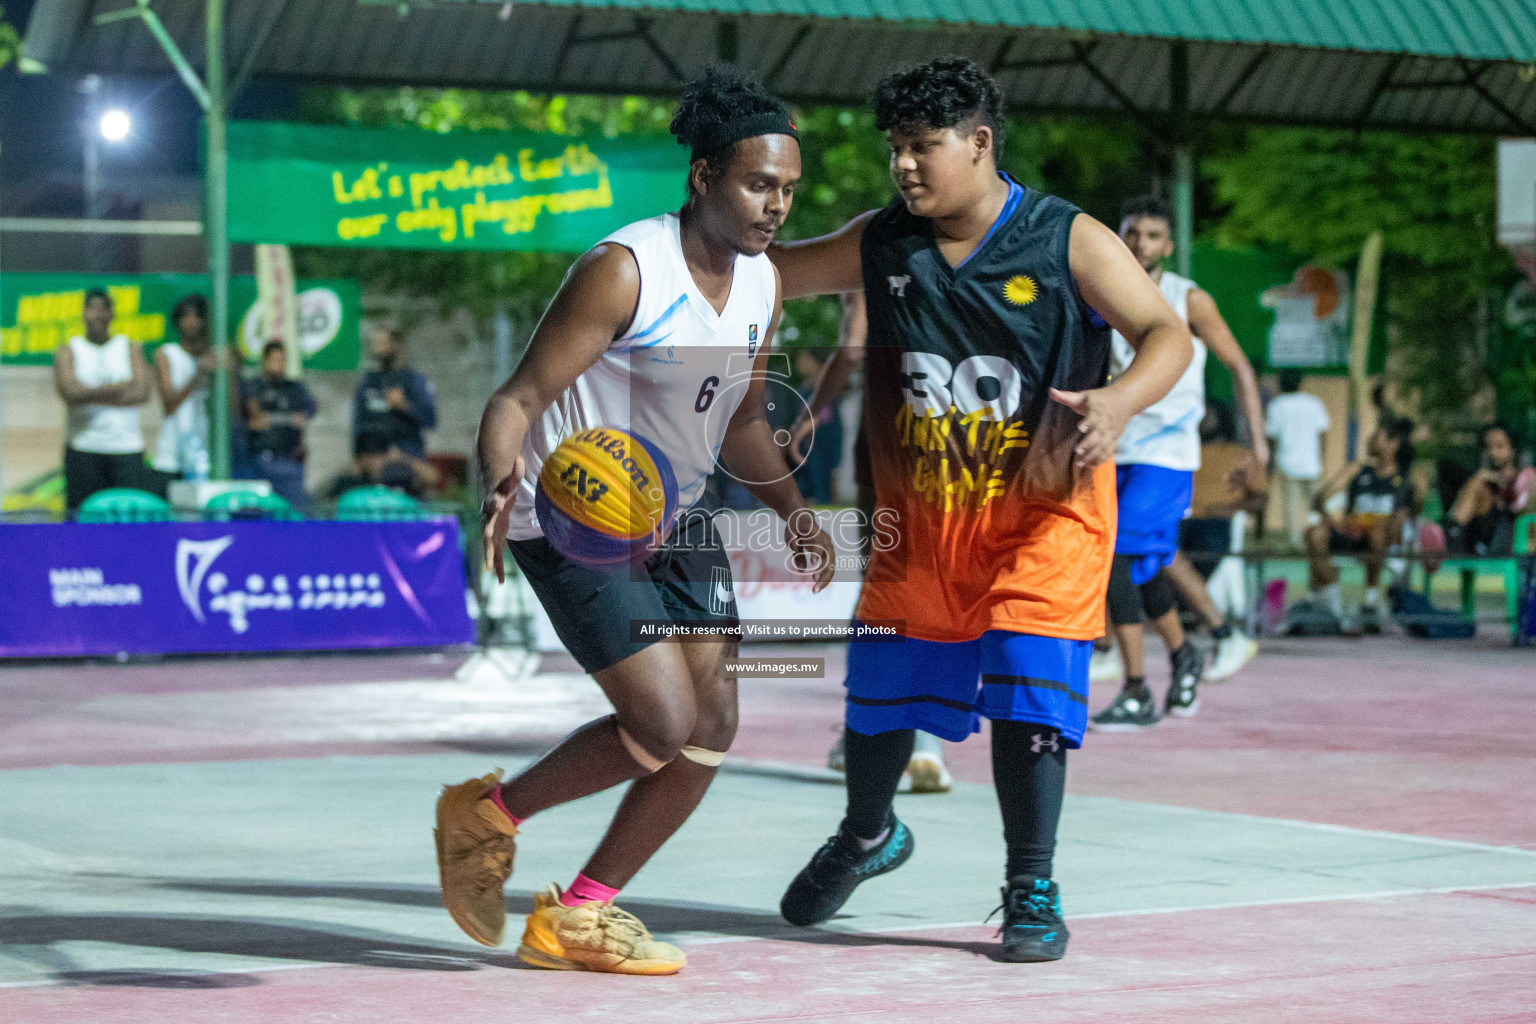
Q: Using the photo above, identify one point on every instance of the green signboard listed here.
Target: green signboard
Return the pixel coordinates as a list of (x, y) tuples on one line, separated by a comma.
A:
[(40, 312), (407, 189)]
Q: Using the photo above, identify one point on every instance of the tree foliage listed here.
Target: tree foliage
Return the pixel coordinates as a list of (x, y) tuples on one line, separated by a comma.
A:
[(10, 41), (1320, 193)]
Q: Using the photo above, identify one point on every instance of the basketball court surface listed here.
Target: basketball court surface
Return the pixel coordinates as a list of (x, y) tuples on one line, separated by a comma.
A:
[(1347, 832)]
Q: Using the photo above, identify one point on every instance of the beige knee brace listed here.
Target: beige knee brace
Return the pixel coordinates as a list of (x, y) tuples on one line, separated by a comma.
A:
[(644, 758), (709, 758)]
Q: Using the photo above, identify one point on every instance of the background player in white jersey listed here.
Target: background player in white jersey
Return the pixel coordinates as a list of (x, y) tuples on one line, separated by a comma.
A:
[(698, 282), (1155, 466)]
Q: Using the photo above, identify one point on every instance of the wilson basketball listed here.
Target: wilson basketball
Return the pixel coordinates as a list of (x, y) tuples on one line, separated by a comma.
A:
[(606, 496)]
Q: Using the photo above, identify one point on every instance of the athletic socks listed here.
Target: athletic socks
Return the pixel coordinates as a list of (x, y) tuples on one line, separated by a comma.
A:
[(1136, 686), (1372, 598), (1222, 631), (1029, 769), (874, 766), (494, 796), (586, 890)]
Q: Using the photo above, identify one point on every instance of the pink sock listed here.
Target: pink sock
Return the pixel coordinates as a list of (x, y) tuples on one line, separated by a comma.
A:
[(585, 890), (494, 796)]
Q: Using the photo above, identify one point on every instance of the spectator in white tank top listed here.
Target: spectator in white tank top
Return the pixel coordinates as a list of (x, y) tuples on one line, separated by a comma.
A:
[(183, 369), (103, 379)]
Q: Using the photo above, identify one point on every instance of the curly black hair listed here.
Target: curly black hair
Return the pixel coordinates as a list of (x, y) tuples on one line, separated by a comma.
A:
[(721, 95), (940, 94), (1146, 206)]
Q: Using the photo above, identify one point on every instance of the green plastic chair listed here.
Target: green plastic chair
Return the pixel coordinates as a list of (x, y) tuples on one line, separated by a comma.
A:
[(124, 505), (378, 504), (229, 505), (1508, 569)]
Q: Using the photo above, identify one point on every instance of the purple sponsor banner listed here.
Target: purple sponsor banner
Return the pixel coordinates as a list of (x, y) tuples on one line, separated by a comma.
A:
[(140, 588)]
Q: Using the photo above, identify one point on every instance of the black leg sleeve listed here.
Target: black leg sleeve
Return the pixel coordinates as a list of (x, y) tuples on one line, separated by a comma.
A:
[(1124, 598), (1029, 769), (874, 766)]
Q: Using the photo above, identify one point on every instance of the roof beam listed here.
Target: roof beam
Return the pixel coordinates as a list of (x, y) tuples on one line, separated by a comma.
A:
[(1382, 83), (1242, 79), (772, 78), (1084, 54), (258, 45), (572, 31), (643, 29), (1475, 80)]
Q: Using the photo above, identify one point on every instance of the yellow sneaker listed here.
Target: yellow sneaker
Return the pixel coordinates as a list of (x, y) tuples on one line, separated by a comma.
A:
[(593, 937), (476, 842)]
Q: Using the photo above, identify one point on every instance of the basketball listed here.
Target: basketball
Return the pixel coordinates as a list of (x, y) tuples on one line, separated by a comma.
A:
[(606, 496)]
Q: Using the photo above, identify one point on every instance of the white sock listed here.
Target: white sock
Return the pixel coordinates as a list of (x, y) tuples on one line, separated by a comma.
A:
[(1372, 597)]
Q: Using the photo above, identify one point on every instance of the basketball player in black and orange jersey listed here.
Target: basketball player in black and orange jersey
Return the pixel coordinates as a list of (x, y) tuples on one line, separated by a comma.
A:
[(698, 281), (990, 431)]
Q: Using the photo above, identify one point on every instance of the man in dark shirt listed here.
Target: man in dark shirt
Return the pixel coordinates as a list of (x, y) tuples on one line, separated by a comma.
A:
[(392, 399), (377, 463), (277, 410)]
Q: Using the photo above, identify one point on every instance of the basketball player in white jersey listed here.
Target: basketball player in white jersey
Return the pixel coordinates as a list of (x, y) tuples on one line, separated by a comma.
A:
[(645, 334), (1155, 464)]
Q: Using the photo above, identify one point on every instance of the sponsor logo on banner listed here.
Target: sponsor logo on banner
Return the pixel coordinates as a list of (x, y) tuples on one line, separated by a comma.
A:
[(88, 586), (317, 591)]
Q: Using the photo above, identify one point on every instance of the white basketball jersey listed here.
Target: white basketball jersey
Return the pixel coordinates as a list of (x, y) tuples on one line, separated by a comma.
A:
[(107, 429), (1167, 433), (677, 375)]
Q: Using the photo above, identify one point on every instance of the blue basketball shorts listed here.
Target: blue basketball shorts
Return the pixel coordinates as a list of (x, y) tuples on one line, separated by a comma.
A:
[(1154, 500), (947, 688)]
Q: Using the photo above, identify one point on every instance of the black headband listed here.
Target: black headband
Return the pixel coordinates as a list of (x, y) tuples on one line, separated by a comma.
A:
[(772, 123)]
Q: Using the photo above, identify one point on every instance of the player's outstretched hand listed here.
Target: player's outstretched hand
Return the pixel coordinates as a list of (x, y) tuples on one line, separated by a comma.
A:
[(1103, 421), (495, 512), (810, 548)]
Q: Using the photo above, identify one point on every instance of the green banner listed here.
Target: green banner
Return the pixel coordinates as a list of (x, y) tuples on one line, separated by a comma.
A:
[(407, 189), (40, 312)]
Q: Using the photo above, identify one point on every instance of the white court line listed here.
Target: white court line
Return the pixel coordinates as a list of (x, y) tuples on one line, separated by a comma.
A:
[(897, 930), (800, 772), (1318, 826)]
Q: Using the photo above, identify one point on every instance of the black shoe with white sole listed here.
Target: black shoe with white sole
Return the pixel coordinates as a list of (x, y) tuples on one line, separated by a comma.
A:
[(1187, 665), (1135, 708)]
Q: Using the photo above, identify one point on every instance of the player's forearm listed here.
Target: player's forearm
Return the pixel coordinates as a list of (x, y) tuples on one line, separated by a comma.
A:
[(1253, 405), (503, 426), (1161, 359), (751, 456)]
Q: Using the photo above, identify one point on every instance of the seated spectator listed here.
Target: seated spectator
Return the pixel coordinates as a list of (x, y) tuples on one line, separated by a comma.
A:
[(1482, 519), (276, 412), (392, 399), (377, 463), (1378, 499)]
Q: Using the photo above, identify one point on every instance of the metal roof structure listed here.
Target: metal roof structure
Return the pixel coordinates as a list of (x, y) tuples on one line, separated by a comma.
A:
[(1454, 65)]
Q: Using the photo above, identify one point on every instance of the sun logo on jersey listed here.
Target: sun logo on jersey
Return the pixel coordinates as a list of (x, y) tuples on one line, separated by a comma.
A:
[(1020, 290)]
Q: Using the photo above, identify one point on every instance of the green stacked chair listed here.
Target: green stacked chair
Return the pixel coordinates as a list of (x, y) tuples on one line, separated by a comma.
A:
[(378, 504), (125, 505), (248, 505)]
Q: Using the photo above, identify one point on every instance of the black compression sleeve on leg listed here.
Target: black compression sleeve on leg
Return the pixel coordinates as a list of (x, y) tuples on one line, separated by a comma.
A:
[(874, 766), (1157, 596), (1029, 769), (1124, 599)]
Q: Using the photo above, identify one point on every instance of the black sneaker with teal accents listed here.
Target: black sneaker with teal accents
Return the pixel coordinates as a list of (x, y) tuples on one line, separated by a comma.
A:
[(1134, 708), (824, 885), (1033, 931)]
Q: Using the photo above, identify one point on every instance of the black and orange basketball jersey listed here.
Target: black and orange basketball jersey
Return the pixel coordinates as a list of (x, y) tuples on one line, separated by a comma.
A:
[(982, 521)]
